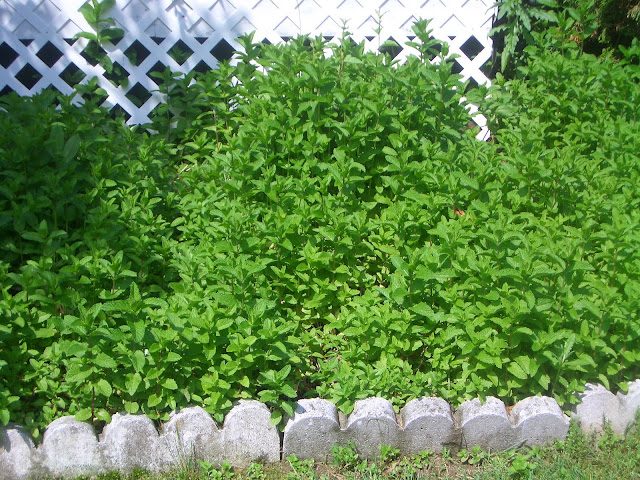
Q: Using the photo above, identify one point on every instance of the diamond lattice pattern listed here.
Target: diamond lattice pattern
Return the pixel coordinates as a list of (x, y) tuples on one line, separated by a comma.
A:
[(37, 49)]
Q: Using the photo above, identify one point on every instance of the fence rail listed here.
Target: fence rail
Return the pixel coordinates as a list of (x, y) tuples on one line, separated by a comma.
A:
[(37, 49)]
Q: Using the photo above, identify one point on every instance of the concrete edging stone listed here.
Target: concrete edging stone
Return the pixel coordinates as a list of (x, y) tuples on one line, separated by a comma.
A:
[(70, 448)]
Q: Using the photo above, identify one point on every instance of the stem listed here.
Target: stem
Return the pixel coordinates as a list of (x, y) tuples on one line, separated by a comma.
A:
[(215, 127), (615, 263), (624, 347)]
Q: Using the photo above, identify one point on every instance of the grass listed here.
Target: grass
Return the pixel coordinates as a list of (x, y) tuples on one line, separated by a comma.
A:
[(577, 457)]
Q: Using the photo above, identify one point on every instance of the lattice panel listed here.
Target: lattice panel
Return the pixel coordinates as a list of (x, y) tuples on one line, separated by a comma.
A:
[(37, 50)]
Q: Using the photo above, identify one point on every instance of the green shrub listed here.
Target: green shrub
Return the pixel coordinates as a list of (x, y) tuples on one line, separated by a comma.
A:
[(81, 208), (609, 23), (306, 225)]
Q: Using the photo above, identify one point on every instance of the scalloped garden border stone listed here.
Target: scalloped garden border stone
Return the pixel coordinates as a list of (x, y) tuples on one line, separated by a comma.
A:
[(70, 448), (428, 425), (191, 433), (16, 448)]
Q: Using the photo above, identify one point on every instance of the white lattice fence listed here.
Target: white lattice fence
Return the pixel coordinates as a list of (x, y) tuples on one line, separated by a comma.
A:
[(37, 50)]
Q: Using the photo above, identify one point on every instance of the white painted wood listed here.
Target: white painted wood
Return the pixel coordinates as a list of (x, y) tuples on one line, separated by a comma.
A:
[(43, 21)]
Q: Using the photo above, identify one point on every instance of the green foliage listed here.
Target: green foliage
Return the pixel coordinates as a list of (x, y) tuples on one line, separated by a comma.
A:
[(595, 25), (82, 248), (345, 456), (515, 22), (388, 453), (610, 23), (304, 225), (104, 30), (94, 12), (223, 472), (474, 457), (302, 469), (255, 471)]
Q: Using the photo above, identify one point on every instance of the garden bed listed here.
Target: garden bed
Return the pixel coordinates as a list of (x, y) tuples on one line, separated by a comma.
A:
[(323, 227)]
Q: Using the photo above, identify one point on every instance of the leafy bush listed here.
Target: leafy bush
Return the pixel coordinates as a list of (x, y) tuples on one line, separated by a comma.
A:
[(514, 26), (615, 22), (307, 224), (595, 25), (82, 204)]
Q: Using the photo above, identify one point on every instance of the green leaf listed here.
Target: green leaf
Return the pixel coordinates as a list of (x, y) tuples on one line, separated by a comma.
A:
[(401, 265), (105, 361), (288, 390), (173, 357), (139, 329), (389, 44), (132, 383), (154, 400), (517, 371), (352, 60), (543, 380), (78, 373), (76, 349), (46, 332), (89, 13), (284, 372), (170, 384), (423, 309), (33, 236), (5, 416), (103, 387), (276, 417), (71, 148), (389, 151), (524, 363), (138, 360), (112, 33), (103, 415), (88, 35), (107, 64), (83, 415), (107, 5), (485, 357)]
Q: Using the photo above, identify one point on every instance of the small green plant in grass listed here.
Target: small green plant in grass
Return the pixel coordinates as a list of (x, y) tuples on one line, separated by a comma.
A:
[(302, 469), (388, 453), (476, 456), (345, 456), (212, 472), (522, 464), (446, 454), (255, 471)]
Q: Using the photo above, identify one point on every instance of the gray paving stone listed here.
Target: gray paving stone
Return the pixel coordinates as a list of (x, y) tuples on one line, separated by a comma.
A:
[(131, 441), (539, 421), (486, 425), (249, 436), (70, 449), (190, 435), (371, 425), (16, 449), (597, 406), (428, 425), (313, 430)]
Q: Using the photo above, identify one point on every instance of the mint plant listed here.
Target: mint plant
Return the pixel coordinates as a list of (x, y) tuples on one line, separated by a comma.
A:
[(104, 30), (304, 224)]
